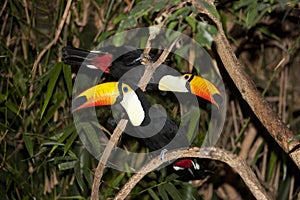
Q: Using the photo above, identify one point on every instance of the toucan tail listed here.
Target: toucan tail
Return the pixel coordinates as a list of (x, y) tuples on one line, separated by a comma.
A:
[(91, 59), (74, 56)]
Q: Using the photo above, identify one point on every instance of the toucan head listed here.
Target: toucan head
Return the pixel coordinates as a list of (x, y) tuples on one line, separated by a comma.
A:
[(112, 93), (191, 83)]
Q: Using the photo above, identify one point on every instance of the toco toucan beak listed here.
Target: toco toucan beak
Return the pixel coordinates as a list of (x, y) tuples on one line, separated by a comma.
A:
[(111, 93), (191, 83)]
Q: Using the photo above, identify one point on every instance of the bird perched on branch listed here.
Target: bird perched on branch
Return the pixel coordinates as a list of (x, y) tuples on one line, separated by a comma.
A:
[(133, 100)]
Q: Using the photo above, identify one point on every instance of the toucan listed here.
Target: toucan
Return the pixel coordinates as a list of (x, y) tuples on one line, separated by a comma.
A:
[(143, 124), (110, 60)]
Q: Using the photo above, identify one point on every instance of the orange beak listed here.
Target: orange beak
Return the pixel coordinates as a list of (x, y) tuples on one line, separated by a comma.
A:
[(99, 95), (191, 83), (205, 89), (108, 94)]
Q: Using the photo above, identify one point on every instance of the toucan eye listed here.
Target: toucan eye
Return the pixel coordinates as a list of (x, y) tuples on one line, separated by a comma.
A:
[(125, 89), (186, 76)]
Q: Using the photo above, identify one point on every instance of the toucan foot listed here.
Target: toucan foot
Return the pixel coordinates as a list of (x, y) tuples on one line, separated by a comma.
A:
[(162, 154)]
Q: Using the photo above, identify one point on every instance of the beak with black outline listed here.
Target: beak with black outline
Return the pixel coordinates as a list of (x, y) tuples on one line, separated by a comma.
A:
[(196, 85), (112, 93)]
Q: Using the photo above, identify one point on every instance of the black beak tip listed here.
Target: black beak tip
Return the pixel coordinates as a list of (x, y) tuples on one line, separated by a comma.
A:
[(77, 102), (218, 99)]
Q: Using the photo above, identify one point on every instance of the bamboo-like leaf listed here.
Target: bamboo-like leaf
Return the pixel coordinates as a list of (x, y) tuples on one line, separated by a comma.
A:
[(79, 177), (40, 82), (272, 165), (171, 177), (12, 107), (87, 175), (29, 144), (172, 191), (67, 78), (59, 99), (162, 192), (51, 84), (192, 22), (211, 9), (153, 194), (67, 165), (64, 134), (70, 142)]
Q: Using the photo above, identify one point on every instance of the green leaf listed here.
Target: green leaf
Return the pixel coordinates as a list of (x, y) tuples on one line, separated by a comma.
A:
[(204, 36), (162, 192), (240, 4), (119, 38), (251, 17), (53, 109), (19, 83), (114, 184), (191, 120), (67, 165), (272, 164), (172, 25), (192, 22), (51, 84), (3, 97), (79, 177), (141, 8), (172, 191), (118, 180), (129, 22), (171, 177), (87, 175), (12, 107), (68, 78), (40, 82), (90, 134), (175, 2), (159, 5), (63, 135), (119, 18), (70, 142), (153, 194), (211, 9), (29, 144), (105, 35), (181, 13)]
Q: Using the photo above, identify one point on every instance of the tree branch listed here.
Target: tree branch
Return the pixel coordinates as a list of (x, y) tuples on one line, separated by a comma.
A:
[(151, 67), (103, 160), (261, 108), (213, 153)]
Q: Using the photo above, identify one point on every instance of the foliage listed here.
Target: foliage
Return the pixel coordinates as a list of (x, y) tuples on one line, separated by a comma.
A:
[(41, 154)]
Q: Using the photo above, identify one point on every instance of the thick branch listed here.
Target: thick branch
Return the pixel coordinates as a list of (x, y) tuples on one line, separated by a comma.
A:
[(261, 108), (213, 153)]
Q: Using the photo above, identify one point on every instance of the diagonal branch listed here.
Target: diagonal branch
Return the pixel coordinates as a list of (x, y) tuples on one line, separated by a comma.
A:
[(213, 153), (103, 160), (151, 67), (261, 108)]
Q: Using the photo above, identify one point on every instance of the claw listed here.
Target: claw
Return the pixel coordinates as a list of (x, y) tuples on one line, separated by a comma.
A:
[(162, 154)]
